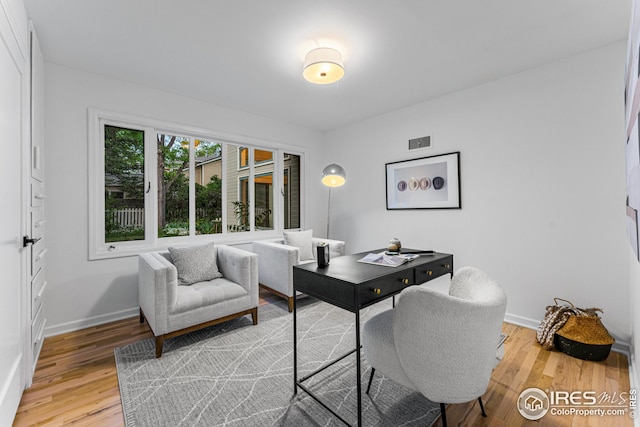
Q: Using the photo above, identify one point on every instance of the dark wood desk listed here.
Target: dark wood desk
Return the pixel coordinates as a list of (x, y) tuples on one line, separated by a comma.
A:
[(352, 286)]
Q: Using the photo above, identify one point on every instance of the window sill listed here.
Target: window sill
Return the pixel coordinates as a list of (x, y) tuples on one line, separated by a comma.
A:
[(231, 239)]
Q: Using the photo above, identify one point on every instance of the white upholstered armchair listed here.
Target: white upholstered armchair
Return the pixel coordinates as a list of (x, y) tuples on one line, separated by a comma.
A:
[(186, 289), (442, 345), (276, 260)]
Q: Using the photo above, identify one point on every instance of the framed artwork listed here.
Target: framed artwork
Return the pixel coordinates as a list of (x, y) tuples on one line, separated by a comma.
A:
[(426, 183)]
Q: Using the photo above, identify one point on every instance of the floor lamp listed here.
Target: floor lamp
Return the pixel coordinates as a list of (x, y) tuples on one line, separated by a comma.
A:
[(332, 176)]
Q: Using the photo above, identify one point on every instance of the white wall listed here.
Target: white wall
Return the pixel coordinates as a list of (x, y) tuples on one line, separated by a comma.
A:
[(543, 184), (82, 292), (634, 292)]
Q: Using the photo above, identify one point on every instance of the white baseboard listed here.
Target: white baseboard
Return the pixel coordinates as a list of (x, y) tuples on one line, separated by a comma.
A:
[(89, 322), (521, 321)]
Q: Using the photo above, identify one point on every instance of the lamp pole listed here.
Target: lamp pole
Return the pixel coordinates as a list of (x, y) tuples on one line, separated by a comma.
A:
[(328, 212), (332, 176)]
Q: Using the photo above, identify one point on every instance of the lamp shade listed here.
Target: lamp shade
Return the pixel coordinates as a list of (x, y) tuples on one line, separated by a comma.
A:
[(323, 66), (334, 176)]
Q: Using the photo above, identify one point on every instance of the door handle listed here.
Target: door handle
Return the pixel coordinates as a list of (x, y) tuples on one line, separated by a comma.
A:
[(26, 241)]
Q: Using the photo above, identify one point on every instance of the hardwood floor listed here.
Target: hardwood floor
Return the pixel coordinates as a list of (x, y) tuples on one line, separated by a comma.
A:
[(76, 382), (526, 364)]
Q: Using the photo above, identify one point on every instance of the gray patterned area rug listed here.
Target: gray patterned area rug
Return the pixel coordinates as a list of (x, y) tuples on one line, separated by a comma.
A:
[(237, 374)]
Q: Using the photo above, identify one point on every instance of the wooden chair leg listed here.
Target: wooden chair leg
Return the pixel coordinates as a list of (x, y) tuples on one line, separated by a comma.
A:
[(254, 316), (443, 414), (484, 414), (159, 342), (290, 301), (373, 370)]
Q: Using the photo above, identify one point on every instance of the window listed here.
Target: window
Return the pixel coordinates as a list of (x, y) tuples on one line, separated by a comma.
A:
[(291, 191), (189, 188), (123, 184), (260, 170), (261, 156), (173, 185), (164, 184), (208, 187)]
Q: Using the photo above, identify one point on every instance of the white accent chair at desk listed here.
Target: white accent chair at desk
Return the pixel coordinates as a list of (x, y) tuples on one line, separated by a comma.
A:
[(276, 260), (444, 346)]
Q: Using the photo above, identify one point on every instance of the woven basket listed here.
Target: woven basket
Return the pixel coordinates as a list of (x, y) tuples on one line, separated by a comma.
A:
[(582, 351), (584, 337)]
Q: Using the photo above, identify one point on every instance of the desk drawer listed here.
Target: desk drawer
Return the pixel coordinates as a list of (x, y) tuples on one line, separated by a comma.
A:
[(386, 286), (430, 271), (332, 291)]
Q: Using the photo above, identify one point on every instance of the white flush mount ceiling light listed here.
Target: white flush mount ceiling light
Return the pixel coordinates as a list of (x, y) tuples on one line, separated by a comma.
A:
[(323, 66)]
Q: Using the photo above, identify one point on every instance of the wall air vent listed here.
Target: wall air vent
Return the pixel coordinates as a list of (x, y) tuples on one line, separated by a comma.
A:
[(424, 142)]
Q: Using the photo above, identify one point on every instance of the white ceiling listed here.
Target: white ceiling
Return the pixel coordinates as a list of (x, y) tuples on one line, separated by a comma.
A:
[(248, 54)]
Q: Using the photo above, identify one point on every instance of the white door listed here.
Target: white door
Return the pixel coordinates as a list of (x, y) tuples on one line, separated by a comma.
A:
[(12, 209)]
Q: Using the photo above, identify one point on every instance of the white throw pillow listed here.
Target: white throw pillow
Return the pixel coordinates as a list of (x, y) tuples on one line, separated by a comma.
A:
[(301, 240), (195, 264)]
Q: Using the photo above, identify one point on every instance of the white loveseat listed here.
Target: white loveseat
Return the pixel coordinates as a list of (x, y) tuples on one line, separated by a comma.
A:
[(276, 261), (172, 309)]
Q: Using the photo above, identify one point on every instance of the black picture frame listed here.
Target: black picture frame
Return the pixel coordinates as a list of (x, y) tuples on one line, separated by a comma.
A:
[(431, 182)]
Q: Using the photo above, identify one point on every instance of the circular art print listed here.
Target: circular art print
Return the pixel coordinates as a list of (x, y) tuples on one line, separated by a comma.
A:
[(438, 182), (413, 184), (425, 183)]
